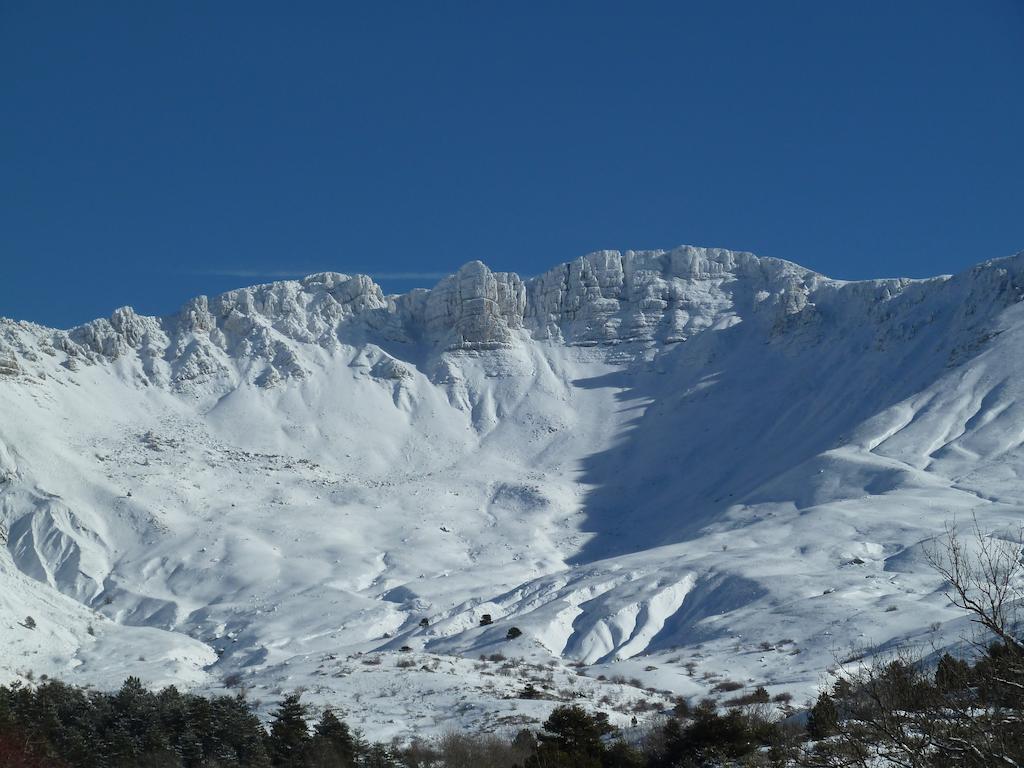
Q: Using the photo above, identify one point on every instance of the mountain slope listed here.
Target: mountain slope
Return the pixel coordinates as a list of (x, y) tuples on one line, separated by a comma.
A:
[(640, 460)]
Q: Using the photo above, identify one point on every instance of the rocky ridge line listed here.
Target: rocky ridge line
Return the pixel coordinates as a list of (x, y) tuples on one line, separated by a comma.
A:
[(604, 298)]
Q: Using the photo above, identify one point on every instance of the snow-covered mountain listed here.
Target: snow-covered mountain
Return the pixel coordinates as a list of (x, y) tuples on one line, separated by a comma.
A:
[(678, 466)]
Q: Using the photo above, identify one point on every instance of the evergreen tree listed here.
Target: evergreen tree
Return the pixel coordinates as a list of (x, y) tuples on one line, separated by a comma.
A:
[(238, 737), (190, 748), (619, 754), (377, 756), (133, 709), (709, 738), (952, 674), (333, 743), (824, 717), (572, 738), (289, 734)]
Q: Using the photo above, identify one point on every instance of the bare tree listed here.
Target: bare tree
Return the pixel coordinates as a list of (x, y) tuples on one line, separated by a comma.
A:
[(986, 579), (895, 710)]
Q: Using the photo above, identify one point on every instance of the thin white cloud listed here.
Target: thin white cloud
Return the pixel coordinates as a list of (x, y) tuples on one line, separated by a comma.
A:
[(409, 275), (293, 273), (235, 272)]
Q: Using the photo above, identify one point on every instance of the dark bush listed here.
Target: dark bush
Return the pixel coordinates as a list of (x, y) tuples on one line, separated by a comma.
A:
[(824, 718), (530, 692), (727, 685), (574, 738), (710, 738)]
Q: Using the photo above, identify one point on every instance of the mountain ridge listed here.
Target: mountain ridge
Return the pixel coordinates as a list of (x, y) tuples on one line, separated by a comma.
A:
[(602, 298), (272, 484)]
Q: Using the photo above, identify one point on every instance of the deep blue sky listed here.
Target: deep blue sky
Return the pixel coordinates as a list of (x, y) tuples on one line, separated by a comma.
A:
[(151, 151)]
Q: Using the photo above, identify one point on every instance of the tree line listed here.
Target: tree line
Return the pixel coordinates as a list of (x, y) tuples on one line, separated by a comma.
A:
[(60, 725)]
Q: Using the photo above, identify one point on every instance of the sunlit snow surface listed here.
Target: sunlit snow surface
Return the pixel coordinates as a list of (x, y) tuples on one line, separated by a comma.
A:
[(640, 460)]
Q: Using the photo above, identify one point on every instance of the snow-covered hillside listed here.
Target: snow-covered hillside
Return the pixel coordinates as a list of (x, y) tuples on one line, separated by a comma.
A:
[(675, 466)]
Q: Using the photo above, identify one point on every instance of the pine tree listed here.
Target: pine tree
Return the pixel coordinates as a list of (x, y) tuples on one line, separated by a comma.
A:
[(952, 674), (333, 743), (824, 718), (377, 756), (133, 707), (190, 747), (289, 734), (239, 734), (572, 738)]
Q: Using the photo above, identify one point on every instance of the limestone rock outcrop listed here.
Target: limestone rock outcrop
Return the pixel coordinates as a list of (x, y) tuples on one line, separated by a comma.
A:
[(632, 300)]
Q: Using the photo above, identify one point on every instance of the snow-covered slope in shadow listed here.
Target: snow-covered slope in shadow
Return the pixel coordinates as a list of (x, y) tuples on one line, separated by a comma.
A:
[(638, 460)]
